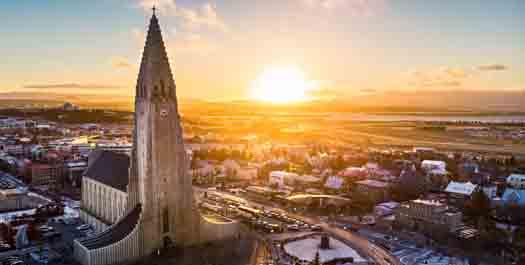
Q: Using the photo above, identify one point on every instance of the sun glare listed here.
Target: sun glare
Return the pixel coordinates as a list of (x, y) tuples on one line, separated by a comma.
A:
[(281, 84)]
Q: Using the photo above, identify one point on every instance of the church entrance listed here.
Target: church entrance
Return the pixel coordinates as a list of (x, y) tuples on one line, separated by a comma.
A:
[(167, 242)]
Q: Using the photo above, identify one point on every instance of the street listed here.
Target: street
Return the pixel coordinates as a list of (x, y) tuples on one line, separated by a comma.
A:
[(378, 254)]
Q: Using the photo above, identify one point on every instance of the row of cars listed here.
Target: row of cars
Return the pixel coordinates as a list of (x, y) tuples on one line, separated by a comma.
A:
[(268, 221), (12, 260), (86, 230), (48, 232), (277, 222), (4, 246)]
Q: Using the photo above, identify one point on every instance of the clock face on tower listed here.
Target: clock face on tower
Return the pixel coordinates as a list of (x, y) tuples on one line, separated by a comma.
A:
[(163, 113)]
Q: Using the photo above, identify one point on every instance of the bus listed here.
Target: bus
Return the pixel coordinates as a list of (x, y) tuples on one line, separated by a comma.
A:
[(248, 212), (210, 207)]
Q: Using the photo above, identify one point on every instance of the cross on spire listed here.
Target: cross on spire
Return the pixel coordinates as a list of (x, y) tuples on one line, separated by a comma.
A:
[(154, 9)]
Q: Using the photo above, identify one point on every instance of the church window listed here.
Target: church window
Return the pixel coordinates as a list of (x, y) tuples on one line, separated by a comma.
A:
[(162, 89), (155, 91), (165, 220)]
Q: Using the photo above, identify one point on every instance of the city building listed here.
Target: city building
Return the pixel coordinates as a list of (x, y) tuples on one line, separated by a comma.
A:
[(460, 192), (334, 182), (123, 148), (46, 174), (281, 178), (159, 210), (425, 214), (248, 172), (105, 179), (513, 197), (68, 106), (74, 170), (434, 167), (377, 191), (516, 181)]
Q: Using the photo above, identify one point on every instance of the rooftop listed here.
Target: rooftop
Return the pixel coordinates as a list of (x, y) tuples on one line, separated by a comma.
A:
[(373, 183), (109, 168), (465, 188)]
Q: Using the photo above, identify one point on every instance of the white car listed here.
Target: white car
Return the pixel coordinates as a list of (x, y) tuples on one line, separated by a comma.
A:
[(316, 228), (293, 227), (45, 228), (84, 227)]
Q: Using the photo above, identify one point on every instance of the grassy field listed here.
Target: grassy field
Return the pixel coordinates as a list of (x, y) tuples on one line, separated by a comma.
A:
[(410, 134)]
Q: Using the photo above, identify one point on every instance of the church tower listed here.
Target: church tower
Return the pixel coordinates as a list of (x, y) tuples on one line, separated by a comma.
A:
[(159, 178), (158, 195)]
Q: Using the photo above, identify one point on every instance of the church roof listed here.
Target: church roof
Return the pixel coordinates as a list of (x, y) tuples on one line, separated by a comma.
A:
[(115, 233), (109, 168)]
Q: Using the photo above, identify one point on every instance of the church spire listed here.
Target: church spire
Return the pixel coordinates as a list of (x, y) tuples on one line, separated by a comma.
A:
[(155, 79)]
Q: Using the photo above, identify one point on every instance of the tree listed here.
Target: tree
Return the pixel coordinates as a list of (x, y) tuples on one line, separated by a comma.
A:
[(317, 260), (411, 186), (479, 205), (361, 202)]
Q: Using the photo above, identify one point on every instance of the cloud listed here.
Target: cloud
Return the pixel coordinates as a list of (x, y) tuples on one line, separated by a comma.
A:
[(191, 43), (492, 67), (443, 83), (204, 16), (162, 6), (120, 63), (70, 86), (351, 7), (368, 91), (443, 77), (456, 72), (324, 93)]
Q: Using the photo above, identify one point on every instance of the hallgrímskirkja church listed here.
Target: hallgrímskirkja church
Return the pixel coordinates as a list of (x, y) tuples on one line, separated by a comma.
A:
[(144, 203)]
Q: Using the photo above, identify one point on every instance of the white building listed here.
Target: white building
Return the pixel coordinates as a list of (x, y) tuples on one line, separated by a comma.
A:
[(490, 190), (462, 188), (279, 178), (334, 182), (516, 181), (248, 172), (105, 180), (434, 167), (230, 167)]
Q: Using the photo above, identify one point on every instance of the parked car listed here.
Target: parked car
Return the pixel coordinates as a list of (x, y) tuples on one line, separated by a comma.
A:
[(316, 228), (349, 227), (84, 227), (293, 227), (45, 228)]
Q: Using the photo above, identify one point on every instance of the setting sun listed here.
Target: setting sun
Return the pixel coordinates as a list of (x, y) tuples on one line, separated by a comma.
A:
[(281, 84)]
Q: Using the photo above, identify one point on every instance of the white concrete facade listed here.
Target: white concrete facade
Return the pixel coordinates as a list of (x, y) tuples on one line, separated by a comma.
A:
[(95, 199)]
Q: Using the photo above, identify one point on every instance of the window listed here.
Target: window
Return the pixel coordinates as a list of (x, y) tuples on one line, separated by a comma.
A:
[(155, 91), (162, 89), (166, 220)]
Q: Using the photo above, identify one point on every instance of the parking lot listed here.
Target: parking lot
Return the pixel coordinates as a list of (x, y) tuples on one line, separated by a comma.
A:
[(55, 245), (408, 252), (257, 217)]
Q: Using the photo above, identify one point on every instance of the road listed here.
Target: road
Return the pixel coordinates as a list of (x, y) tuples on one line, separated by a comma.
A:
[(378, 254), (18, 252)]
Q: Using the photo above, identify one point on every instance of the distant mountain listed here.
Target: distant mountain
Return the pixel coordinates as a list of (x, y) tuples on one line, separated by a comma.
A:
[(389, 101)]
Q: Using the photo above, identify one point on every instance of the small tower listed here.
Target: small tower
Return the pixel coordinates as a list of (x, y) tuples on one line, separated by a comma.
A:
[(325, 242)]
